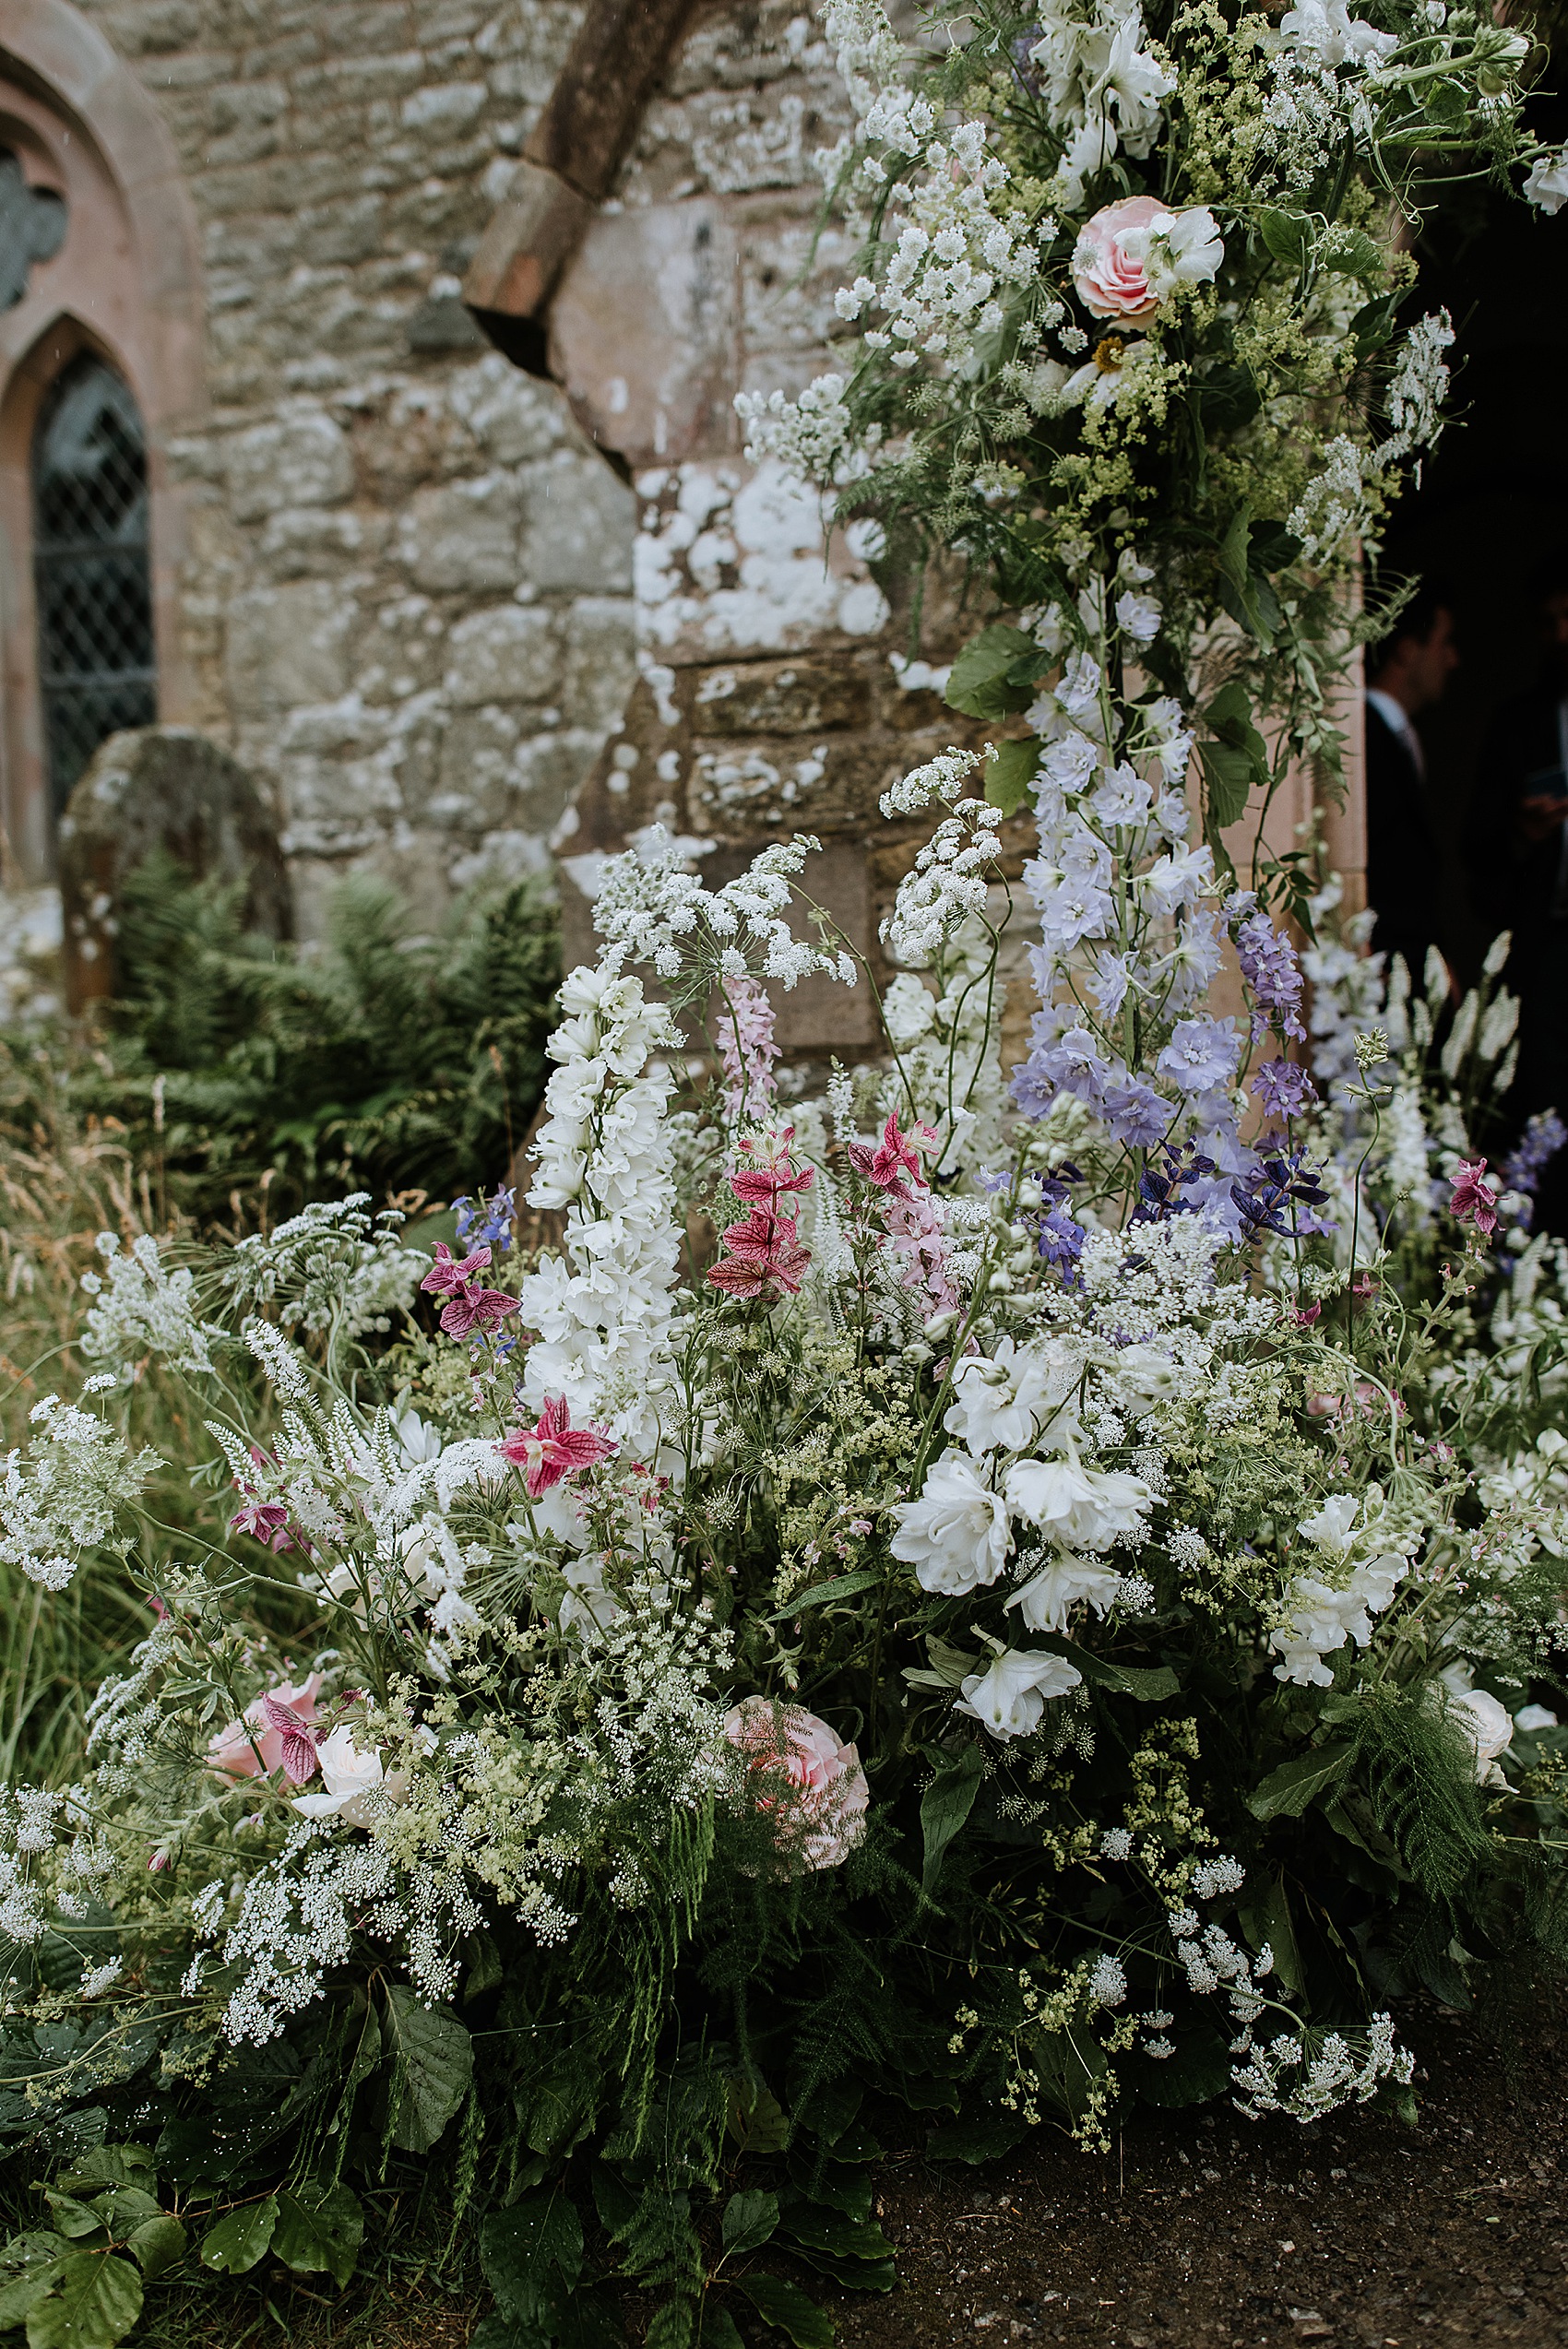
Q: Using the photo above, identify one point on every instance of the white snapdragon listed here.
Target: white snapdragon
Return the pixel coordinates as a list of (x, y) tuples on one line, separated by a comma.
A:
[(1323, 1614), (1065, 1581), (954, 1535)]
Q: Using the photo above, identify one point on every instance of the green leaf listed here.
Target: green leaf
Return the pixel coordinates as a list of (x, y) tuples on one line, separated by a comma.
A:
[(1009, 777), (319, 2231), (716, 2328), (589, 2321), (749, 2219), (979, 683), (1267, 1919), (1196, 2074), (829, 2231), (1373, 324), (74, 2218), (756, 2120), (434, 2066), (1286, 1792), (96, 2300), (532, 2253), (22, 2294), (1149, 1683), (821, 1593), (1227, 784), (975, 2141), (786, 2306), (241, 2238), (157, 2245), (1287, 235), (1360, 257), (945, 1806), (108, 2165)]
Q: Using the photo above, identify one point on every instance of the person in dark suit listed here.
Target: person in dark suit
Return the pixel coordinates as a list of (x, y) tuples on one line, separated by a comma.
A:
[(1518, 844), (1408, 673)]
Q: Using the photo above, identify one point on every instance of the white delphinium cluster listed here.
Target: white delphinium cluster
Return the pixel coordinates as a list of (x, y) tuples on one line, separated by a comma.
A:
[(603, 1312), (62, 1497), (652, 908), (1100, 84), (141, 1309), (1368, 1560)]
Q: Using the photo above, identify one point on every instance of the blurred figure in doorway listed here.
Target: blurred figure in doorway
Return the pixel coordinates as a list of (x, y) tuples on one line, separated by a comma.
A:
[(1406, 673), (1519, 839)]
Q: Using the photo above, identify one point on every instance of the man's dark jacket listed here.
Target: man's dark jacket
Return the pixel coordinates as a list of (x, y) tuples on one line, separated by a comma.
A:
[(1404, 865)]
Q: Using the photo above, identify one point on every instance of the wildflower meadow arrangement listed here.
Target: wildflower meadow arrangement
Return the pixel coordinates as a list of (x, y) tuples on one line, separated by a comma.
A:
[(968, 1593)]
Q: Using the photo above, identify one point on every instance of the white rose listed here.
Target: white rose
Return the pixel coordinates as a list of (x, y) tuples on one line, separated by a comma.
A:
[(954, 1535), (1010, 1698), (1044, 1600), (349, 1774), (1078, 1508)]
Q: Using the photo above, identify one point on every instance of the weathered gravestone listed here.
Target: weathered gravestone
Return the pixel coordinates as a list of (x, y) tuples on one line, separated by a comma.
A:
[(161, 787)]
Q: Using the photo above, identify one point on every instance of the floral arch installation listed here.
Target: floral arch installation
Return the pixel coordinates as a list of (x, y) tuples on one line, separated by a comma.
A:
[(92, 569)]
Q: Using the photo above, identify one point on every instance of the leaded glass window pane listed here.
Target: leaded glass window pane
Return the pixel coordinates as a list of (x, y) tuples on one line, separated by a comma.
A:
[(97, 669)]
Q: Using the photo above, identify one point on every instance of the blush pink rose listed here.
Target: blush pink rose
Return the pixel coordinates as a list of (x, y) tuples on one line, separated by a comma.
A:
[(1112, 279), (818, 1779), (234, 1750)]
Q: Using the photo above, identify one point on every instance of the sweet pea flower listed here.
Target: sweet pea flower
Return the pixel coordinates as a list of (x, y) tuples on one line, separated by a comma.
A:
[(1010, 1696), (350, 1775), (1045, 1599), (1133, 254), (1079, 1508), (1489, 1728), (817, 1776), (254, 1744), (954, 1535)]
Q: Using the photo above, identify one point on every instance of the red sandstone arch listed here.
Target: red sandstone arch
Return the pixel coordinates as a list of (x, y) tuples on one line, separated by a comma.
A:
[(126, 284)]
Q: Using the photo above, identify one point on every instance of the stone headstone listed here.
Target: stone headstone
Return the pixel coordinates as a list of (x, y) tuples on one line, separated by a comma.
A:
[(161, 787)]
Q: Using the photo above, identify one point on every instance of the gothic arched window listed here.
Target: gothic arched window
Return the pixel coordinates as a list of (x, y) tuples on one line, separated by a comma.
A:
[(97, 667)]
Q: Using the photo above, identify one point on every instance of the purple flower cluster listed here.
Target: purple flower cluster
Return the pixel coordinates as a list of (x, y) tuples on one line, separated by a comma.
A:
[(1283, 1089), (487, 1223), (1164, 1178), (1270, 968), (1280, 1186), (1070, 1061), (1543, 1137)]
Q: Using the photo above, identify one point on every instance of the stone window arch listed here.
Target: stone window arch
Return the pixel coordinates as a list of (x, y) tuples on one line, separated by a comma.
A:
[(102, 321)]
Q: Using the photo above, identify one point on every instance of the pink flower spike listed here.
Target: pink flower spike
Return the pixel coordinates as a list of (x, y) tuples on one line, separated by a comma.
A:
[(896, 1159), (265, 1520), (764, 1251), (447, 1277), (1474, 1201), (554, 1448), (299, 1746)]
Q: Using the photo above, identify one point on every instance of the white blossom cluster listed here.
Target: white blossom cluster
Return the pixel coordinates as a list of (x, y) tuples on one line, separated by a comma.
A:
[(62, 1498), (333, 1267), (652, 908), (1361, 1562), (140, 1307), (947, 884), (27, 1816), (1308, 2075)]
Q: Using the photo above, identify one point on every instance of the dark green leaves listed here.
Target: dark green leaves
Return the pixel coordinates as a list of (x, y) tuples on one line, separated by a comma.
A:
[(1009, 777), (945, 1806), (786, 2306), (1235, 758), (756, 2118), (823, 1593), (95, 2299), (532, 2255), (434, 2064), (1287, 235), (1242, 583), (241, 2238), (319, 2230), (995, 675), (749, 2219), (1286, 1792)]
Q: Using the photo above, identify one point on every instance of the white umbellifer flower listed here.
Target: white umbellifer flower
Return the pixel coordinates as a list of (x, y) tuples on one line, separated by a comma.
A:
[(1212, 1877), (1010, 1696), (954, 1535), (1108, 1981), (1005, 1400), (62, 1499), (1546, 182), (1116, 1843), (349, 1772), (1045, 1600), (1080, 1508)]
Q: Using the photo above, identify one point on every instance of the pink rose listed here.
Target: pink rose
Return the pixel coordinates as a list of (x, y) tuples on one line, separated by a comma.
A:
[(234, 1750), (819, 1780), (1133, 254)]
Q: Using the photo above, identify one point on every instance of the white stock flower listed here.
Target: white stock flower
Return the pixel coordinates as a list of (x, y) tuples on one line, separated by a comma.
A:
[(1009, 1698), (954, 1535)]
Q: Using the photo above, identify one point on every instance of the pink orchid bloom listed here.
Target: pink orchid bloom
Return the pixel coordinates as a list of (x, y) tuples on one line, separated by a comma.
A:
[(299, 1746), (894, 1158), (554, 1448), (476, 1309), (447, 1277), (764, 1251), (1474, 1201)]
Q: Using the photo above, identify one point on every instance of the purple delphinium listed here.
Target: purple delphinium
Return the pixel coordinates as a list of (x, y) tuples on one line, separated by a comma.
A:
[(1280, 1184), (1283, 1089), (487, 1223), (1136, 1114), (1165, 1178), (1202, 1054), (1270, 968), (1543, 1137)]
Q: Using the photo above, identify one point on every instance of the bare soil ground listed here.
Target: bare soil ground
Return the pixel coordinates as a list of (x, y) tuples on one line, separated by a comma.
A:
[(1198, 2231)]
